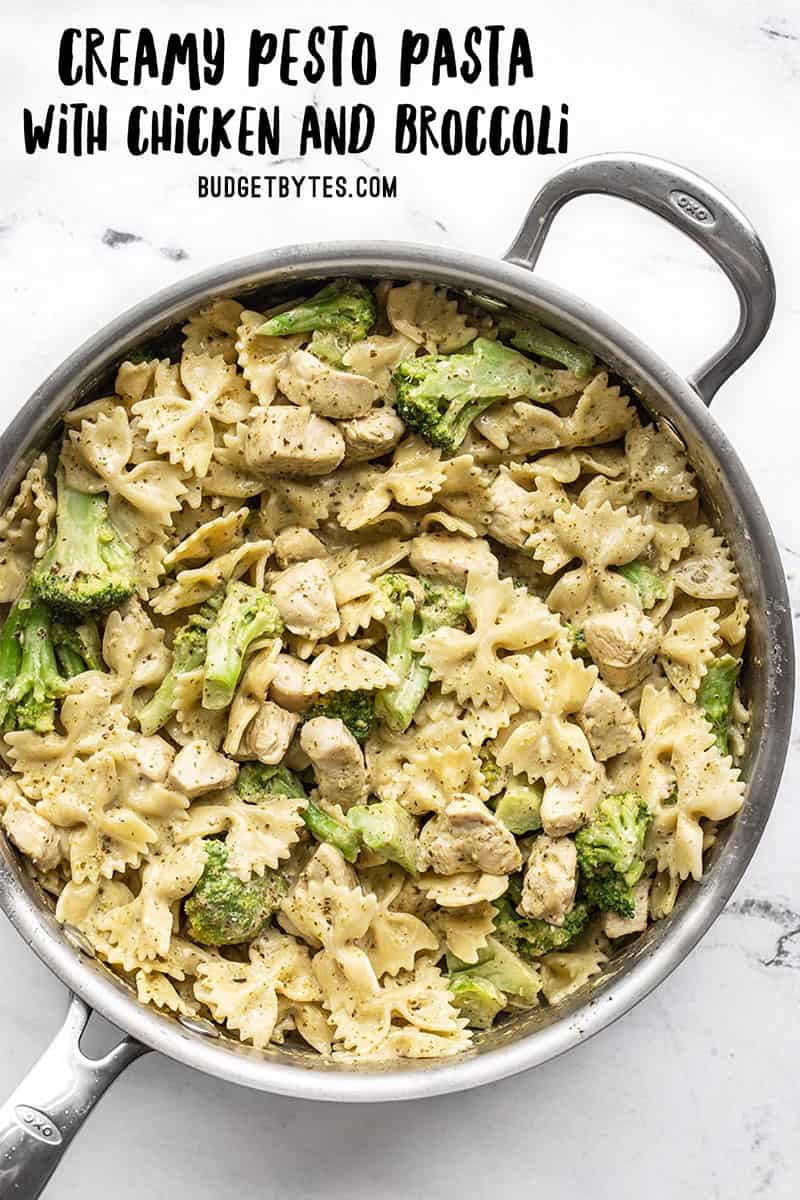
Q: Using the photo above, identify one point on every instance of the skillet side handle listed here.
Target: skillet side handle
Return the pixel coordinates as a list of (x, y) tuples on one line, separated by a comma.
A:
[(40, 1119), (691, 205)]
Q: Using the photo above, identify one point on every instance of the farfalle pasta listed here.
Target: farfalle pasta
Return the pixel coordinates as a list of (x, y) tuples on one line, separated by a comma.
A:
[(365, 676)]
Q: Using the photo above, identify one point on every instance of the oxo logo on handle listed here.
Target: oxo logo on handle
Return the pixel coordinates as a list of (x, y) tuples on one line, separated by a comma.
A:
[(38, 1124), (692, 207)]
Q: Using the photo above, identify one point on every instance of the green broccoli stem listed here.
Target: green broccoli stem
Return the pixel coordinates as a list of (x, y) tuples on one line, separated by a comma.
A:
[(38, 671), (331, 347), (650, 586), (188, 653), (478, 1000), (519, 807), (161, 705), (10, 656), (327, 829), (29, 694), (715, 697), (442, 605), (257, 782), (533, 338), (77, 647), (396, 705), (88, 566), (387, 829), (69, 661), (501, 966), (246, 614)]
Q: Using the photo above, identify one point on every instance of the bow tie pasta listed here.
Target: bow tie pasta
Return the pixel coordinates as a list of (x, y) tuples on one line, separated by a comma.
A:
[(368, 672)]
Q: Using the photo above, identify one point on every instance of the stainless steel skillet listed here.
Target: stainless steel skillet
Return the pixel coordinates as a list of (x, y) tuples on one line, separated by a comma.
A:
[(39, 1121)]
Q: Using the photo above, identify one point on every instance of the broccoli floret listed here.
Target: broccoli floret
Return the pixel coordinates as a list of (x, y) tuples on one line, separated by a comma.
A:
[(355, 709), (77, 646), (611, 852), (30, 683), (224, 911), (502, 967), (614, 837), (528, 335), (650, 586), (441, 605), (715, 696), (439, 396), (188, 653), (89, 565), (479, 1000), (609, 893), (519, 806), (256, 782), (532, 937), (345, 306), (387, 829), (246, 614)]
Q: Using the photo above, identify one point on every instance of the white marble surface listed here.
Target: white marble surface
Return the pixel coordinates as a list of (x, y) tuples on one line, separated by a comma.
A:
[(696, 1092)]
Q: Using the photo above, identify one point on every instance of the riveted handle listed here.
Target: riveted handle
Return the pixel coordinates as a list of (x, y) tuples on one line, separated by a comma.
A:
[(39, 1121), (691, 205)]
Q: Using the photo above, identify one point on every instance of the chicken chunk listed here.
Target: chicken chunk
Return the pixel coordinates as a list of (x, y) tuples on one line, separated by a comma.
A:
[(467, 834), (370, 436), (440, 556), (268, 735), (306, 600), (337, 761), (198, 768), (306, 380), (565, 807), (615, 926), (608, 721), (623, 643), (295, 544), (510, 508), (551, 879), (287, 687), (296, 758), (31, 834), (283, 440), (154, 757)]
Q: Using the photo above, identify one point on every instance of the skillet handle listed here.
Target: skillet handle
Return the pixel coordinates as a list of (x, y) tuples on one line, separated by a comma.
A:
[(691, 205), (40, 1119)]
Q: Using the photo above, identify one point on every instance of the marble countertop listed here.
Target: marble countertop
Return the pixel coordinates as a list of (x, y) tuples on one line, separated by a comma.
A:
[(695, 1092)]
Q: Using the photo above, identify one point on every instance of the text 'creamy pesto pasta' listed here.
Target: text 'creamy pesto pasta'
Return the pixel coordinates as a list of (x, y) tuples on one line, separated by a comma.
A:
[(366, 672)]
